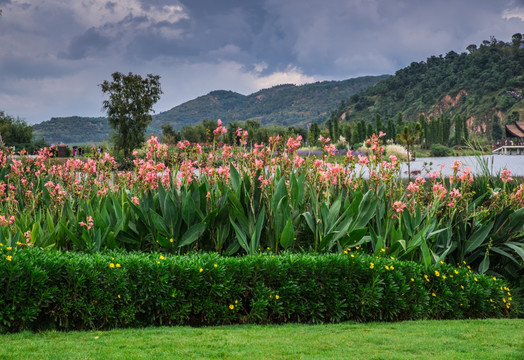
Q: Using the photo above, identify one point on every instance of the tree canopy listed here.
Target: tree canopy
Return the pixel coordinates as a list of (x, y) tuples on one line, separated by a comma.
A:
[(131, 99)]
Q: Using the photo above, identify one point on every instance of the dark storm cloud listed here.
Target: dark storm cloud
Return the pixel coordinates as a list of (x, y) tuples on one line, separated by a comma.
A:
[(90, 42), (54, 46)]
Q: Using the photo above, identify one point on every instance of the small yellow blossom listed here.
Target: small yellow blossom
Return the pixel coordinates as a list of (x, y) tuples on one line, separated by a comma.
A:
[(345, 251), (382, 250), (455, 271), (236, 301), (494, 278), (444, 277), (231, 306), (462, 287), (117, 265), (171, 240), (161, 257), (352, 255), (18, 243), (111, 265), (475, 278), (437, 273), (391, 267), (412, 279), (277, 297), (119, 296), (9, 258), (426, 277), (433, 294), (201, 270), (442, 262), (371, 266), (9, 248), (387, 267), (392, 258), (215, 265)]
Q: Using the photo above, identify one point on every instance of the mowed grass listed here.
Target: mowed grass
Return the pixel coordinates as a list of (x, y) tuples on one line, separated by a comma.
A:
[(465, 339)]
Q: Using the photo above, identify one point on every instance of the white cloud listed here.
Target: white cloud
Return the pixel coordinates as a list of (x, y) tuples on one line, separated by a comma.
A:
[(515, 13)]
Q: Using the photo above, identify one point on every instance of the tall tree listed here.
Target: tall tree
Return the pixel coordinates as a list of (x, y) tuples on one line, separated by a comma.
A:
[(496, 129), (314, 134), (409, 137), (131, 99), (465, 127), (459, 132)]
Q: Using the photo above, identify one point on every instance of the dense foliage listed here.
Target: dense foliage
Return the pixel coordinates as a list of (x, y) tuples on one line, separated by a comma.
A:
[(484, 82), (44, 290), (235, 200), (131, 99), (16, 133)]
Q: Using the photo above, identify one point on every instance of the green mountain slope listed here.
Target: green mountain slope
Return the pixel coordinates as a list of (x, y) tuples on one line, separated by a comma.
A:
[(485, 82), (279, 105)]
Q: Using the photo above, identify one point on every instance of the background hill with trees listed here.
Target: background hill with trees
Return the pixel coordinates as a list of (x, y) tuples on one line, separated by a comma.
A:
[(474, 92), (286, 105)]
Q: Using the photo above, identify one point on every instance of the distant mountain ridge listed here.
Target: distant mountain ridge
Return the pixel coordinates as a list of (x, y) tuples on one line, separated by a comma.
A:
[(288, 105)]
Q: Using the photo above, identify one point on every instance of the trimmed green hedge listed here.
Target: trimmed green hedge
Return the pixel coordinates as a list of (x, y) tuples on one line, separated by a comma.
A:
[(67, 291)]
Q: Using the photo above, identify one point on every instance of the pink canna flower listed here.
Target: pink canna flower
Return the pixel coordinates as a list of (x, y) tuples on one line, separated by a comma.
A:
[(505, 175), (399, 206)]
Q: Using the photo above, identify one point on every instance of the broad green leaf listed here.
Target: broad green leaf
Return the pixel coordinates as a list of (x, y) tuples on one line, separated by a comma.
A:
[(288, 234), (478, 238), (192, 234)]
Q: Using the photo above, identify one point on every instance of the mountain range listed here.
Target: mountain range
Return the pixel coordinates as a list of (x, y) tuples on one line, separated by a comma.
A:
[(280, 105)]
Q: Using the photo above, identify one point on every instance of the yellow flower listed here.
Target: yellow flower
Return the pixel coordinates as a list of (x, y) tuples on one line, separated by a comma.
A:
[(462, 287), (437, 273), (387, 267), (352, 255), (382, 250), (371, 266), (455, 271), (119, 296), (426, 277), (231, 306), (433, 294), (215, 265), (442, 262), (392, 258), (412, 279), (444, 277), (236, 301), (391, 267), (345, 251), (491, 300), (475, 278), (277, 297), (9, 248), (117, 265), (9, 258), (201, 270), (162, 257), (171, 240), (494, 278), (111, 265), (158, 262), (18, 243)]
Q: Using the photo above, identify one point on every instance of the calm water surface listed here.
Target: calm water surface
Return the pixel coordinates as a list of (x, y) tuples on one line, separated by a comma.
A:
[(495, 163)]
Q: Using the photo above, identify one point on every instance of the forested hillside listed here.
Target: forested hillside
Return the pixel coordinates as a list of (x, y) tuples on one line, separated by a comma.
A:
[(280, 105), (484, 85)]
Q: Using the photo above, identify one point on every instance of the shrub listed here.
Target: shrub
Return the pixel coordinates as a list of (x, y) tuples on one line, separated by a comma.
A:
[(397, 150), (68, 291), (439, 150)]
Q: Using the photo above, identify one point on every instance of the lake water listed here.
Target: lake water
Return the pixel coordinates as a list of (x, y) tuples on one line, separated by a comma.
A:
[(496, 163)]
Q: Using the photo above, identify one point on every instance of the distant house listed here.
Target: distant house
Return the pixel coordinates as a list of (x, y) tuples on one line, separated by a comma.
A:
[(515, 130)]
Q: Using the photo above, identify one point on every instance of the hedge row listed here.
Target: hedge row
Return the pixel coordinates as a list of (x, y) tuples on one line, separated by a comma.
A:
[(68, 291)]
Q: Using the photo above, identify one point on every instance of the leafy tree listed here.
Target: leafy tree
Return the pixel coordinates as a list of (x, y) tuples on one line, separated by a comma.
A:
[(391, 131), (169, 135), (465, 127), (314, 134), (496, 129), (516, 39), (15, 132), (131, 99), (409, 137)]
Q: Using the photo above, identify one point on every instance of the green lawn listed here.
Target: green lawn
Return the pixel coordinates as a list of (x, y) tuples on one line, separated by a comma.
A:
[(466, 339)]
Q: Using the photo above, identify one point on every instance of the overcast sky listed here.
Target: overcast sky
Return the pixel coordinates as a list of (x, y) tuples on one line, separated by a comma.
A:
[(54, 53)]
